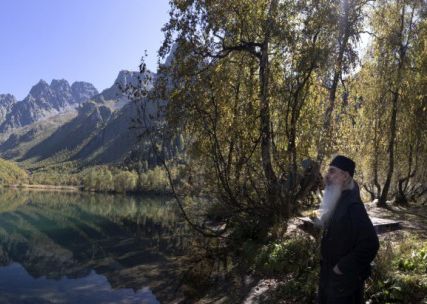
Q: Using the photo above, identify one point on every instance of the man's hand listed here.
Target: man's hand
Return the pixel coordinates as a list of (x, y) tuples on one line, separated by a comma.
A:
[(337, 270)]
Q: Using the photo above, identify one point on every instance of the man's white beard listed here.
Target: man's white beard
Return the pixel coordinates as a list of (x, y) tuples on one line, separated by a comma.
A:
[(329, 202)]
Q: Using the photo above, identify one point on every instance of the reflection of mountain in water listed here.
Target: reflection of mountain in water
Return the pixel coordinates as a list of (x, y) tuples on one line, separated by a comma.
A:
[(133, 242)]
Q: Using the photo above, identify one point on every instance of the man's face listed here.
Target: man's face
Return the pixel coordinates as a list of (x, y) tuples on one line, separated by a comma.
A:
[(335, 176)]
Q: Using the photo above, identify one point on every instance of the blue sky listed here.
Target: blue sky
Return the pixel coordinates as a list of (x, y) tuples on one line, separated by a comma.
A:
[(76, 40)]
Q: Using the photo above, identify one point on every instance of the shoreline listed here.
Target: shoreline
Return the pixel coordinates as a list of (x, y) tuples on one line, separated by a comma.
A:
[(45, 187), (66, 188)]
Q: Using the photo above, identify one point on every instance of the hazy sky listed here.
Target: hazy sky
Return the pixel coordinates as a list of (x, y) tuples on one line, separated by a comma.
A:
[(76, 40)]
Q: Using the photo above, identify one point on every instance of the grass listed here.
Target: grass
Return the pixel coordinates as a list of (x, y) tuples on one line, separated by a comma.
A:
[(399, 273)]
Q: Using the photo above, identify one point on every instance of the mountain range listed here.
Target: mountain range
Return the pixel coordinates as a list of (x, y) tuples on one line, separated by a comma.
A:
[(59, 122), (43, 101)]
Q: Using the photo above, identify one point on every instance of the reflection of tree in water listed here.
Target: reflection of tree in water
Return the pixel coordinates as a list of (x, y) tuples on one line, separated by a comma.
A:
[(133, 241), (10, 200)]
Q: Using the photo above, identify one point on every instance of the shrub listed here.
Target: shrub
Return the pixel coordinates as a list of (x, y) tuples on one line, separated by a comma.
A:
[(400, 273), (294, 255), (295, 262)]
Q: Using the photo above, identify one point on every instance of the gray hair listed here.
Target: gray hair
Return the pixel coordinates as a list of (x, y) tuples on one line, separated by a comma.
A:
[(351, 184)]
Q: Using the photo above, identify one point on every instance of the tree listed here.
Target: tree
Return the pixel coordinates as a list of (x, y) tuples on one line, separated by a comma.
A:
[(98, 178), (125, 181), (240, 77), (350, 17), (387, 129)]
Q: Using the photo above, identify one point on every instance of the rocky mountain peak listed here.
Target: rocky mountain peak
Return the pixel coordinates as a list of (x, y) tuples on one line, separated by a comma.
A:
[(60, 85), (7, 100), (127, 78), (83, 91), (124, 79), (41, 89), (43, 101), (6, 103)]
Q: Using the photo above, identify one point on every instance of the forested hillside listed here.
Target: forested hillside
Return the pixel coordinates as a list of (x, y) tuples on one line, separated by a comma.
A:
[(11, 174)]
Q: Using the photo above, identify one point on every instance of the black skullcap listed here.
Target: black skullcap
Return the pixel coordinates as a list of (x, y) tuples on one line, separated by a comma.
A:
[(344, 163)]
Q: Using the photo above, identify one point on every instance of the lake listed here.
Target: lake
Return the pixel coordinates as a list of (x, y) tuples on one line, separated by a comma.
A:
[(61, 247)]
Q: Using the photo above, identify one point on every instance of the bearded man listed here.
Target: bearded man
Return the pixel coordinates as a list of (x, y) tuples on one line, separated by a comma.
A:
[(349, 241)]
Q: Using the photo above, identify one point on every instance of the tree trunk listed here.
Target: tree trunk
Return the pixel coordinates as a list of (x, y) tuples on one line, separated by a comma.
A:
[(265, 106), (376, 151), (395, 100), (342, 41), (393, 123), (273, 190), (265, 116)]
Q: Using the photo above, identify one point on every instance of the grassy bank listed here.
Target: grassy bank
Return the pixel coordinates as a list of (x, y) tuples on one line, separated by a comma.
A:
[(289, 263)]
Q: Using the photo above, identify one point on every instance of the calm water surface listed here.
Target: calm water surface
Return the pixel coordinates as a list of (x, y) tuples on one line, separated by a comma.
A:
[(89, 248)]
